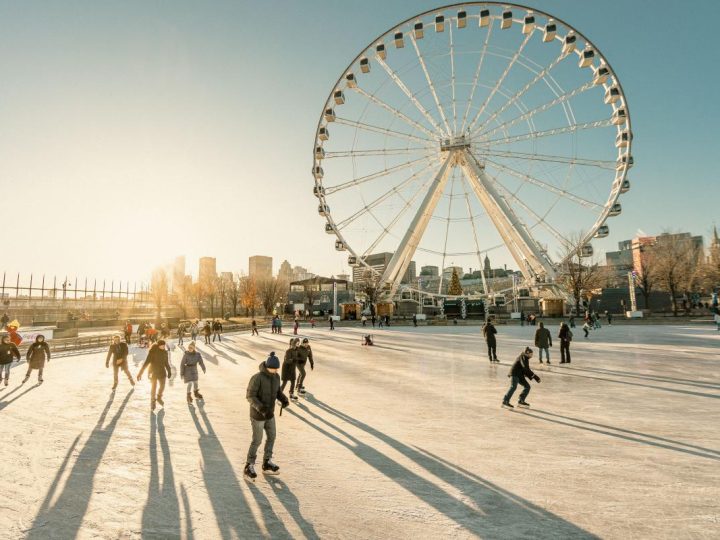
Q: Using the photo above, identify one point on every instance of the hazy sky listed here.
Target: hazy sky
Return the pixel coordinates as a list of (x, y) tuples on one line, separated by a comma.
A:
[(131, 132)]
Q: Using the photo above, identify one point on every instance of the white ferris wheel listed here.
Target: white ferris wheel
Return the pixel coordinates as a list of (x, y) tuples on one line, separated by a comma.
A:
[(473, 130)]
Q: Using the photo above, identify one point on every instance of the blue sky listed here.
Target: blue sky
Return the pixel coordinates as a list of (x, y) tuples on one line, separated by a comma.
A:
[(134, 131)]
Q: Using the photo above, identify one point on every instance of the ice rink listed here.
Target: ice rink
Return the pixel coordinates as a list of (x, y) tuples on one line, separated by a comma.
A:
[(406, 439)]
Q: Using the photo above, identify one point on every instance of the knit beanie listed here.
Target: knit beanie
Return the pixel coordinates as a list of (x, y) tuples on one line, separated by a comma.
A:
[(272, 362)]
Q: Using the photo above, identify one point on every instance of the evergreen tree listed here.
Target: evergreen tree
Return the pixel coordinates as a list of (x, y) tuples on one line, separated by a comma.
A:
[(454, 288)]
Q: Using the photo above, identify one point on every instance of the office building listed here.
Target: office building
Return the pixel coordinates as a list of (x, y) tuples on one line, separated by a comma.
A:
[(260, 267)]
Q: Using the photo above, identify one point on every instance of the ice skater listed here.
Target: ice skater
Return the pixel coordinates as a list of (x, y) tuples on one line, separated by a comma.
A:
[(489, 332), (189, 371), (254, 328), (217, 330), (289, 367), (194, 331), (262, 391), (180, 333), (332, 322), (304, 354), (159, 371), (128, 332), (8, 351), (296, 325), (118, 353), (565, 336), (543, 341), (586, 328), (520, 369), (37, 354), (207, 331)]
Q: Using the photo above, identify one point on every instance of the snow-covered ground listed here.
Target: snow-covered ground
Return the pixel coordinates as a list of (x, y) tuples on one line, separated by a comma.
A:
[(406, 439)]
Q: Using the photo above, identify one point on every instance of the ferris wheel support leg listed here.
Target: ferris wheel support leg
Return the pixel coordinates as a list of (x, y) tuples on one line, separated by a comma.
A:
[(406, 249), (523, 247)]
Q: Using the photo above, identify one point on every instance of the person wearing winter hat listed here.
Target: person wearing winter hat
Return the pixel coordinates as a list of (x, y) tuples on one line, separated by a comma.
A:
[(189, 370), (289, 365), (520, 369), (304, 354), (159, 363), (8, 351), (37, 354), (262, 391)]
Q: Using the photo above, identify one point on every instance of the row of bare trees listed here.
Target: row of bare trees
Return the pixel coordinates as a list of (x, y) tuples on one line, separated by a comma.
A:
[(243, 295)]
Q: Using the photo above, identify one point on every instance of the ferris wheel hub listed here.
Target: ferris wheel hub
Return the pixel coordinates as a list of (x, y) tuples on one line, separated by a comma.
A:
[(454, 143)]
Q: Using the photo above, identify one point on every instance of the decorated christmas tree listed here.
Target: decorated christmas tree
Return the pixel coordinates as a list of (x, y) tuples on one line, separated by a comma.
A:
[(454, 288)]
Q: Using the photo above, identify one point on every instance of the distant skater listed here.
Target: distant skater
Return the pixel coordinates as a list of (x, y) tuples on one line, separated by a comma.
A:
[(332, 322), (296, 325), (207, 331), (288, 373), (586, 328), (37, 354), (262, 391), (543, 341), (217, 330), (159, 371), (489, 332), (118, 353), (189, 372), (128, 332), (414, 320), (194, 331), (253, 325), (8, 351), (520, 369), (565, 336), (180, 333), (304, 355), (608, 315)]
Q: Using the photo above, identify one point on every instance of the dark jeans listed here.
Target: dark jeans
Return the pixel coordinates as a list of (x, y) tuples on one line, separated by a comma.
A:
[(492, 350), (180, 340), (292, 385), (301, 377), (564, 351), (207, 339), (217, 334), (254, 332), (258, 426), (128, 337), (159, 385), (124, 367), (513, 385), (40, 372)]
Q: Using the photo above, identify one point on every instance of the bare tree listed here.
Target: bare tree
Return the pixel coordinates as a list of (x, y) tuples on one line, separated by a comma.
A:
[(580, 275), (159, 290), (646, 278), (184, 295), (677, 260), (271, 292), (248, 290), (234, 294)]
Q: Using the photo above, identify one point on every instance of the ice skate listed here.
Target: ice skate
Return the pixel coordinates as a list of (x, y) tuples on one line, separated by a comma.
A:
[(152, 405), (198, 395), (7, 381), (249, 472), (302, 391), (40, 381), (507, 405), (524, 404), (293, 397), (268, 467), (189, 397), (160, 401), (25, 379)]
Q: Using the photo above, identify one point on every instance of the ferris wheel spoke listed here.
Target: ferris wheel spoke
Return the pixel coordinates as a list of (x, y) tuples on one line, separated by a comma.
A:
[(382, 198), (447, 232), (500, 81), (475, 236), (430, 83), (562, 98), (585, 162), (400, 84), (476, 78), (378, 129), (546, 133), (378, 152), (452, 78), (538, 77), (548, 187), (392, 110), (379, 174)]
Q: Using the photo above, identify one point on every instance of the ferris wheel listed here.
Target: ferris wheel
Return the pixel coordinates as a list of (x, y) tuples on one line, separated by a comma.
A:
[(473, 131)]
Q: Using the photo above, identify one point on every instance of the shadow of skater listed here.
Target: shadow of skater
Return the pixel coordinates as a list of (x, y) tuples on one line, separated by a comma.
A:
[(292, 505), (495, 513), (7, 402), (72, 503), (189, 532), (232, 512), (161, 515)]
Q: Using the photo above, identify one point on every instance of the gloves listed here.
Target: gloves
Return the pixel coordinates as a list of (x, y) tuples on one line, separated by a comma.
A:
[(285, 404), (536, 378)]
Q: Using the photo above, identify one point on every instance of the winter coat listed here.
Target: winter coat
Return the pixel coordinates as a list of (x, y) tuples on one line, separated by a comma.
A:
[(489, 332), (304, 353), (289, 362), (37, 353), (217, 326), (188, 366), (117, 352), (521, 368), (262, 391), (193, 329), (7, 352), (207, 330), (543, 339), (159, 364), (565, 334)]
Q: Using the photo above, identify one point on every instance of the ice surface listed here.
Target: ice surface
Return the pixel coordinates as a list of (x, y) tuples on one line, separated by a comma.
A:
[(402, 440)]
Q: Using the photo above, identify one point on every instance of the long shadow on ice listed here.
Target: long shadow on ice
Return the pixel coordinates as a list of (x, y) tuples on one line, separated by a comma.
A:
[(292, 505), (161, 515), (232, 512), (495, 513), (7, 402), (72, 503), (657, 378)]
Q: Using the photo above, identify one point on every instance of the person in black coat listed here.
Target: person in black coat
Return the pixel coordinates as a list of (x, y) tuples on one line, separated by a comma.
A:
[(37, 354), (118, 352), (217, 330), (565, 336), (262, 391), (489, 332), (304, 353), (289, 367), (159, 363), (520, 369), (8, 351)]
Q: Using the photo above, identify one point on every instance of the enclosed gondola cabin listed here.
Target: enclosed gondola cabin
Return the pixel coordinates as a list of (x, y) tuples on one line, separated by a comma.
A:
[(323, 134), (484, 18), (623, 139), (329, 228), (318, 172), (339, 97), (612, 94), (506, 21), (329, 115), (418, 30), (586, 58), (550, 32), (319, 152), (399, 40), (350, 80), (324, 210), (352, 260), (615, 210), (528, 24), (601, 75), (587, 251), (340, 245), (440, 23), (625, 187), (364, 65), (380, 51), (462, 19), (619, 117), (602, 232), (625, 160), (569, 44), (318, 190)]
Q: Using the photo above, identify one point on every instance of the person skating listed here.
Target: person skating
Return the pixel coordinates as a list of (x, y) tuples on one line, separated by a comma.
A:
[(194, 331), (37, 354), (289, 367), (8, 351), (489, 332), (304, 354), (520, 369), (262, 391), (543, 341), (4, 320), (608, 315), (164, 331), (118, 353), (159, 371), (128, 332), (332, 322), (217, 330), (522, 318), (363, 320), (296, 325), (586, 328), (565, 336), (414, 319), (180, 333), (207, 331), (189, 371)]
